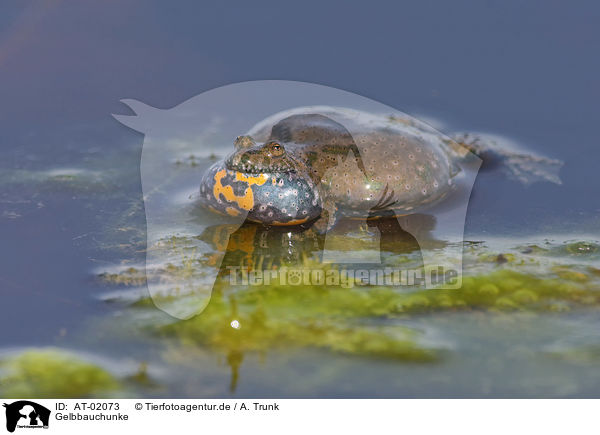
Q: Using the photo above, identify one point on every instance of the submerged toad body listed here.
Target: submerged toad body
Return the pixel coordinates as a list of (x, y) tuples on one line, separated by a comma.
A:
[(294, 164)]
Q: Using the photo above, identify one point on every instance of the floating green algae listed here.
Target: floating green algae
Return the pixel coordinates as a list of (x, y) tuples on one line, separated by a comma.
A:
[(53, 374), (320, 315), (384, 323), (506, 290), (229, 326), (570, 249), (582, 248), (500, 289), (256, 319)]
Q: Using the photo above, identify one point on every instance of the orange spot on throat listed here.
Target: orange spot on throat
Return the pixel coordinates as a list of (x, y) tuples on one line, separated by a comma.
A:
[(246, 201)]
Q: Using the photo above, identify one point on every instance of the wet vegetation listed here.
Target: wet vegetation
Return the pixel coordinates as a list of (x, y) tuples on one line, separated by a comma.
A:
[(363, 321), (53, 374)]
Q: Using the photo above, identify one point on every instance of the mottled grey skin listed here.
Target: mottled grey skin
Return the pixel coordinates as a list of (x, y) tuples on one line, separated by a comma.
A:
[(361, 162), (353, 163)]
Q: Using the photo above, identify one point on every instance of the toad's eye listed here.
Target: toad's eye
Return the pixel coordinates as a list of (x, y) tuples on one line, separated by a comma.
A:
[(276, 149)]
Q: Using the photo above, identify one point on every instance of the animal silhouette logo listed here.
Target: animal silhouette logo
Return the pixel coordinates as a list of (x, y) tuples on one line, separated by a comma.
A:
[(204, 128), (26, 414)]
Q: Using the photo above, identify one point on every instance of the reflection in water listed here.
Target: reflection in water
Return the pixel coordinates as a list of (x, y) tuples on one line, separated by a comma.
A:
[(253, 319), (260, 247)]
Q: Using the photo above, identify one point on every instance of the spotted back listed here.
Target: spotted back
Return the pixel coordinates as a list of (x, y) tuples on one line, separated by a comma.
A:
[(320, 142)]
